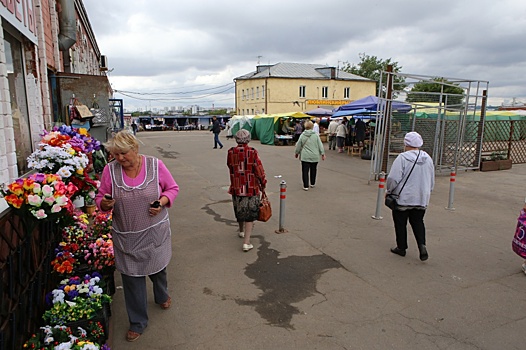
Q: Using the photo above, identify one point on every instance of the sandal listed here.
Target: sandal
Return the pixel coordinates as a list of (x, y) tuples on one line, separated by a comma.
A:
[(132, 336), (166, 305)]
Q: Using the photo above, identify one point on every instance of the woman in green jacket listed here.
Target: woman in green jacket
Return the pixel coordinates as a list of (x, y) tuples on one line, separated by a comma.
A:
[(309, 148)]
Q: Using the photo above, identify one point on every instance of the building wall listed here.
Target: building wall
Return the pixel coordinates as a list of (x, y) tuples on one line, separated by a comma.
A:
[(8, 167), (39, 59), (282, 94)]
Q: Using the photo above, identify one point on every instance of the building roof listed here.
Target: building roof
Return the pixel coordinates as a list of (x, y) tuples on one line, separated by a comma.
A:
[(300, 71)]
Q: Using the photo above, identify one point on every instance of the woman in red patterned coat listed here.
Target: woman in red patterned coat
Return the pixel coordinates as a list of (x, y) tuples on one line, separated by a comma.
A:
[(247, 179)]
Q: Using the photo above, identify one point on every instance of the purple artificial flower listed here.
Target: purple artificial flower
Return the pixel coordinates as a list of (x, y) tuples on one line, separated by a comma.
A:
[(39, 177)]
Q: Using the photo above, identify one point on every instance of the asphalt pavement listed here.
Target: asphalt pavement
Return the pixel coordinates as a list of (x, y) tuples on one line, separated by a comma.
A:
[(331, 282)]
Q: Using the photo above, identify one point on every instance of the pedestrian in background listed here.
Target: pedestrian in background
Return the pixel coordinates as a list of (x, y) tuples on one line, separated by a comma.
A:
[(134, 128), (139, 189), (309, 148), (415, 166), (341, 135), (316, 126), (298, 129), (333, 125), (216, 129), (359, 129), (247, 179)]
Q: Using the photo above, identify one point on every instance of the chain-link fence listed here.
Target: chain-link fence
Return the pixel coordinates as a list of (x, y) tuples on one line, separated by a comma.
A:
[(451, 121)]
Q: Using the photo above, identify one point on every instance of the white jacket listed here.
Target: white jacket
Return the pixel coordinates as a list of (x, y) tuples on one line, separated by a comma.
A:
[(420, 183)]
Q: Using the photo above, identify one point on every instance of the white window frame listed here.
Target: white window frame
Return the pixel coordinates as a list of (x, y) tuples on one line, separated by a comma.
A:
[(346, 93), (303, 91), (324, 92)]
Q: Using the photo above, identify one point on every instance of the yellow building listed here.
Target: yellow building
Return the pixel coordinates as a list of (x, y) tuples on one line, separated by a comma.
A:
[(298, 87)]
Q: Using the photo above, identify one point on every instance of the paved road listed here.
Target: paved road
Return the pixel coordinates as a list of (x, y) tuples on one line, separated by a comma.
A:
[(331, 282)]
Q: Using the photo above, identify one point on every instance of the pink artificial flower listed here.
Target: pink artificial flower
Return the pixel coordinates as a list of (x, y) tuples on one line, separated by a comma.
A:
[(34, 200), (40, 214), (49, 200), (47, 191)]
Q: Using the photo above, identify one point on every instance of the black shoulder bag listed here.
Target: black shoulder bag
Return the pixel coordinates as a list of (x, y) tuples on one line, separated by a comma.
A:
[(391, 198)]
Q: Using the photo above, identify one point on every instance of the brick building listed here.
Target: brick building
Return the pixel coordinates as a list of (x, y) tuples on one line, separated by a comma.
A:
[(44, 46)]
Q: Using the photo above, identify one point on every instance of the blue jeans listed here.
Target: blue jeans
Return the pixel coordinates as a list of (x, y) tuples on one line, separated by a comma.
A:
[(216, 141)]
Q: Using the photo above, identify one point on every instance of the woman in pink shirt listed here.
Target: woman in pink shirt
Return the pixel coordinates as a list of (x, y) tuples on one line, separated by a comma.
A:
[(139, 189)]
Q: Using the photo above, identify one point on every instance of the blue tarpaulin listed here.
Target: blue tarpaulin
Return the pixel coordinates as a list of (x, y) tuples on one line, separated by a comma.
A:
[(370, 103)]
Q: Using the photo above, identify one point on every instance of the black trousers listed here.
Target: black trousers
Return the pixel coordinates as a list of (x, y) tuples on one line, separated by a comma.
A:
[(416, 220), (306, 168)]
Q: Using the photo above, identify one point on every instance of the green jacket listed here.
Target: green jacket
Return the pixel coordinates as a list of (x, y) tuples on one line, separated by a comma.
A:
[(309, 147)]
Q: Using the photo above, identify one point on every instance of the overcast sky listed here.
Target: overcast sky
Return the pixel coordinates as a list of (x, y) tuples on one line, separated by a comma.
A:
[(189, 52)]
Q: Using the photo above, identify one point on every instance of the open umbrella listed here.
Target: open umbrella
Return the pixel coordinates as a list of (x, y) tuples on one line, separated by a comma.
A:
[(319, 112)]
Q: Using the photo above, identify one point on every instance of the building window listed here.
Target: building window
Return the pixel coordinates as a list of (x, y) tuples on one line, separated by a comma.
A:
[(17, 92), (252, 108), (263, 92), (257, 92), (347, 92), (252, 94), (243, 95), (262, 110), (324, 92), (302, 91)]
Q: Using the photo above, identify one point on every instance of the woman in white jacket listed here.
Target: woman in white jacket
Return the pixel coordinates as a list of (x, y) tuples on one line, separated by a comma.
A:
[(417, 167)]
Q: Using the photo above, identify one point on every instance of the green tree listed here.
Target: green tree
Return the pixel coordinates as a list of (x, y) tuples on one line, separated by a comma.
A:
[(371, 66), (439, 90)]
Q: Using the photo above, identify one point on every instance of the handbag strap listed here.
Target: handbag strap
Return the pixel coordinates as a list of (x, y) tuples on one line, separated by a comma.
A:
[(407, 178)]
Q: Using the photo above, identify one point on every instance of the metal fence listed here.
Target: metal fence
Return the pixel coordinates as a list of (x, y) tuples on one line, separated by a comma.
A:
[(25, 277), (452, 122)]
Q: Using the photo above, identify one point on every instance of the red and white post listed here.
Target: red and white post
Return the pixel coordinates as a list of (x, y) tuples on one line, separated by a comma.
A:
[(380, 197)]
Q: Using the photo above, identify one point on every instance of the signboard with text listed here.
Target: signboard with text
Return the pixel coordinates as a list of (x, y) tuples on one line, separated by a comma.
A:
[(21, 15), (328, 102)]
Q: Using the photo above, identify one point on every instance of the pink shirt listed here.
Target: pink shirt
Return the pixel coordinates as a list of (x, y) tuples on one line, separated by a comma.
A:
[(167, 185)]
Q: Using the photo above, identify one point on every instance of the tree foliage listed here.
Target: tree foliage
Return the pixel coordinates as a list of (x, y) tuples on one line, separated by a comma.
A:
[(440, 90), (371, 66)]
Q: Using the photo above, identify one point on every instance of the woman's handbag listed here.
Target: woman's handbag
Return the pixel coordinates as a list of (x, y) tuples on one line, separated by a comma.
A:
[(265, 211), (519, 239), (391, 199)]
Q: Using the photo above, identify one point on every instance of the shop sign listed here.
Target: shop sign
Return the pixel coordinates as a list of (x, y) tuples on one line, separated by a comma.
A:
[(328, 102), (21, 15)]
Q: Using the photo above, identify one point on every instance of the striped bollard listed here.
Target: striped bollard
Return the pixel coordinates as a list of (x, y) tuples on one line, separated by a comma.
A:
[(380, 197), (282, 197), (452, 179)]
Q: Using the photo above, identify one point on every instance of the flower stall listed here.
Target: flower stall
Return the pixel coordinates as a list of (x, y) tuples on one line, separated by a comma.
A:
[(80, 248)]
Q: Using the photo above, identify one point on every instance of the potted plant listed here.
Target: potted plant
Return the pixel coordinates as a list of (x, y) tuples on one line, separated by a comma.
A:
[(495, 161)]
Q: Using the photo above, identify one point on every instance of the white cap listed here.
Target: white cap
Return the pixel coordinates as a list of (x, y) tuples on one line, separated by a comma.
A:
[(413, 139)]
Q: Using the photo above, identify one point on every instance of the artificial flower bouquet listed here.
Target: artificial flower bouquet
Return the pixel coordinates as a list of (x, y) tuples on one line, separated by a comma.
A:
[(79, 138), (81, 250), (62, 337), (38, 197), (77, 299), (87, 286), (63, 160)]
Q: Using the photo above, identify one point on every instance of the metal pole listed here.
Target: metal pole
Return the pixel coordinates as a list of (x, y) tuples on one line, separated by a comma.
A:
[(379, 198), (451, 189), (282, 197)]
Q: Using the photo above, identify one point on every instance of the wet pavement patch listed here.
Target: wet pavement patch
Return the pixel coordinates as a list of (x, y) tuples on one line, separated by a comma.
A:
[(284, 282), (216, 216), (167, 153)]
